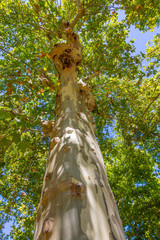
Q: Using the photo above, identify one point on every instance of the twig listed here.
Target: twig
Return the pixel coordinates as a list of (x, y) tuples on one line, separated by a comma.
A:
[(96, 73), (12, 55), (147, 54)]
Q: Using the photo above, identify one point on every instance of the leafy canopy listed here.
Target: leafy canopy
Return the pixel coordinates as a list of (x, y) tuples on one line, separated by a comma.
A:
[(126, 89)]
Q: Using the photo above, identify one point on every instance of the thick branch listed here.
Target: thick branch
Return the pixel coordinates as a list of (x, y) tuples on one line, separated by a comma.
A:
[(46, 125), (79, 15), (65, 26)]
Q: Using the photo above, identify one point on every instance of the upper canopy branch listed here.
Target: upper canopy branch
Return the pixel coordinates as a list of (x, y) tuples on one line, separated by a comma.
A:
[(13, 56), (96, 73), (78, 16), (66, 27), (65, 32)]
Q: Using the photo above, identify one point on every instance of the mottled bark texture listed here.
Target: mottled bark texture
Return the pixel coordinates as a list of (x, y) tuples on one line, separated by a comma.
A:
[(76, 202)]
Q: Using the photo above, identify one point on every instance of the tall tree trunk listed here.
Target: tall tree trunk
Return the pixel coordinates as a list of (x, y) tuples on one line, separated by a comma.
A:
[(76, 202)]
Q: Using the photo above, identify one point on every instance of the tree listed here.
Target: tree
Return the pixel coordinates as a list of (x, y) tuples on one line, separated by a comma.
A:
[(126, 95)]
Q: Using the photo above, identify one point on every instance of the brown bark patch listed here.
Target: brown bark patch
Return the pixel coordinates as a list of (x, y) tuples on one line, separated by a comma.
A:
[(66, 148), (77, 189), (47, 127), (48, 176), (93, 150), (47, 227), (63, 116), (44, 198), (38, 213), (69, 131), (53, 142)]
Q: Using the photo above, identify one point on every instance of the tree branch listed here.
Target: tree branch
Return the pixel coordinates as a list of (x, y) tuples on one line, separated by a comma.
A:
[(96, 73), (154, 99), (47, 82), (12, 55), (62, 31), (147, 54), (78, 16)]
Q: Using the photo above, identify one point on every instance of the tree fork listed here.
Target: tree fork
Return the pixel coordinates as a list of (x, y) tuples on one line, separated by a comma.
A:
[(76, 201)]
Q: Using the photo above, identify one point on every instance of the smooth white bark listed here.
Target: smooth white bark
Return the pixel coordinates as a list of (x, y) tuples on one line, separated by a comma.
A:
[(77, 202)]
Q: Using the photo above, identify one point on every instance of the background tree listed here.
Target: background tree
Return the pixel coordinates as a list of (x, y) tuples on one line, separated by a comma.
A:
[(127, 99)]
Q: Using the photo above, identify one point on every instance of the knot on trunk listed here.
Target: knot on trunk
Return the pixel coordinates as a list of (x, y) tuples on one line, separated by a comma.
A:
[(66, 60), (65, 56)]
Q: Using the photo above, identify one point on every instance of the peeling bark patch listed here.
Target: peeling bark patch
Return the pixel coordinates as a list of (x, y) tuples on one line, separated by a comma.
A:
[(105, 203), (84, 156), (48, 176), (63, 116), (111, 235), (66, 148), (38, 213), (98, 178), (44, 198), (48, 227), (76, 190), (53, 142), (69, 131), (93, 150), (66, 60), (96, 188), (79, 114)]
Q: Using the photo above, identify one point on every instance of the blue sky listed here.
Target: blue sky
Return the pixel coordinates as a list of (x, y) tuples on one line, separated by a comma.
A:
[(140, 42), (140, 38)]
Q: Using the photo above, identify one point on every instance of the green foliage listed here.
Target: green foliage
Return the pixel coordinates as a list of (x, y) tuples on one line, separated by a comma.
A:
[(130, 170), (127, 100), (143, 13)]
